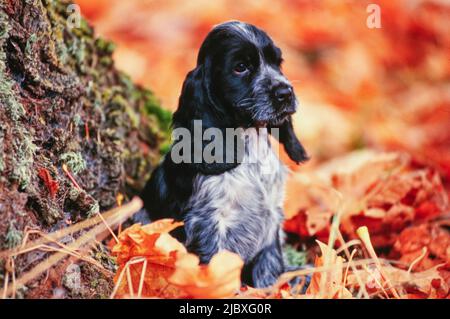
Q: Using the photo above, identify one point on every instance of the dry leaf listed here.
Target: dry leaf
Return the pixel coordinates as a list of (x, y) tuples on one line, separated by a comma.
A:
[(158, 249), (221, 278), (383, 191), (170, 271), (330, 283)]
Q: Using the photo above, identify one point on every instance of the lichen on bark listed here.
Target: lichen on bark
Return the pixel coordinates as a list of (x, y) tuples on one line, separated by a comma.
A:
[(62, 102)]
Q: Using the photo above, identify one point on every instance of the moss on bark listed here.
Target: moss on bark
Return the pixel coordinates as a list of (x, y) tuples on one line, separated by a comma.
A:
[(62, 102)]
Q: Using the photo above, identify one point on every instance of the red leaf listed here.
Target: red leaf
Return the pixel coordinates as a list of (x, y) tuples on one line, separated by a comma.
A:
[(49, 182)]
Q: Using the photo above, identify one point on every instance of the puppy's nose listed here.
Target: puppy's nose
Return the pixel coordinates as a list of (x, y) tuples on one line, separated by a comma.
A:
[(283, 93)]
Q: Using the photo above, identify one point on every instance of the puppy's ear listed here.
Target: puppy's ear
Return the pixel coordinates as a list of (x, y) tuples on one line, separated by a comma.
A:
[(197, 103), (191, 99), (206, 83), (196, 100), (292, 145)]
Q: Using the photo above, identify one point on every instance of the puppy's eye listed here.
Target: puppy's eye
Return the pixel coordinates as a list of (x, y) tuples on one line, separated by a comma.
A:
[(240, 68)]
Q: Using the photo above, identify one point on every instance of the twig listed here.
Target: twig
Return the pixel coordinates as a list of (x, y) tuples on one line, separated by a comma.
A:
[(86, 130), (362, 287), (130, 282), (69, 175), (124, 212), (415, 261), (107, 227), (5, 285), (141, 281), (347, 268), (363, 233), (131, 207)]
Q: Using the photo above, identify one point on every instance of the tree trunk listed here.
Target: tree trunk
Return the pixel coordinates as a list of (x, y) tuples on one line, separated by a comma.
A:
[(74, 131)]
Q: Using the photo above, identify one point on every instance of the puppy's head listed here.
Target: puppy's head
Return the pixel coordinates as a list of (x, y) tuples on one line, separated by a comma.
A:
[(241, 76)]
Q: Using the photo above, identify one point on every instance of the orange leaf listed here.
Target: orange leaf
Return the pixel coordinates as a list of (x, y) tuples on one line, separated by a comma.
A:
[(170, 271), (384, 191), (221, 278), (413, 240), (152, 245)]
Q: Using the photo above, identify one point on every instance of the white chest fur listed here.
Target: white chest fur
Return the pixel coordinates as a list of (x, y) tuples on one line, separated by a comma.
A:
[(241, 208)]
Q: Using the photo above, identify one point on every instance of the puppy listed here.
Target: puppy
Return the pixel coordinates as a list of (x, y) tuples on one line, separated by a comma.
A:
[(234, 204)]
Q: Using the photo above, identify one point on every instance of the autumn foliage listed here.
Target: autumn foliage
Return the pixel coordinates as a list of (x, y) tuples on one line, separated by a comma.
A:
[(386, 192), (154, 264)]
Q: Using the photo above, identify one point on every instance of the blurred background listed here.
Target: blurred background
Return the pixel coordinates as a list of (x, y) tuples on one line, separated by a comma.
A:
[(385, 88)]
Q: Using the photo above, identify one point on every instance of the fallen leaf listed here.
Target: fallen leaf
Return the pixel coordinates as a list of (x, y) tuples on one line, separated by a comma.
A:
[(430, 236), (221, 278), (51, 184), (160, 266), (329, 283), (384, 191), (154, 246)]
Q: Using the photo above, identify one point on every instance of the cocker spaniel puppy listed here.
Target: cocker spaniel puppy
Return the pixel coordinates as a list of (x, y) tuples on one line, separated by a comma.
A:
[(231, 204)]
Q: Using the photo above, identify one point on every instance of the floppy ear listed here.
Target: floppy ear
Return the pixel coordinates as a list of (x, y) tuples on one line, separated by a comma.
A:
[(292, 145), (198, 103), (191, 99), (196, 100)]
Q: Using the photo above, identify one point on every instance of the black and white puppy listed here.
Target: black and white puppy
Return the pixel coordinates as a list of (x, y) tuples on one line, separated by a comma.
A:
[(234, 205)]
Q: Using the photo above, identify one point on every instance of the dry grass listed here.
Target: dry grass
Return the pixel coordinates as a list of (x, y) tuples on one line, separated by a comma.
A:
[(94, 231), (336, 276)]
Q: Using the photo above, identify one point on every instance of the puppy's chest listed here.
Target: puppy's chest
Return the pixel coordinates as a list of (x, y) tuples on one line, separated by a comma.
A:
[(244, 204)]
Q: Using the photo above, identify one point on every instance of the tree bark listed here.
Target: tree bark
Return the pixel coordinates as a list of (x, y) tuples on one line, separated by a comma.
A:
[(64, 105)]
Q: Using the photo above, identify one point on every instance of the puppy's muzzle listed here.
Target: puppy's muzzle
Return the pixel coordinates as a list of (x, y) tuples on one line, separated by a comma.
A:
[(284, 99)]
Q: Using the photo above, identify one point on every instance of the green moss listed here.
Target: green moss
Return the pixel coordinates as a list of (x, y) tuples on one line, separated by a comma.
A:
[(164, 148), (78, 51), (85, 30), (153, 107), (93, 210), (162, 119), (105, 46), (122, 105), (129, 85), (13, 236), (24, 148), (77, 120), (102, 255), (7, 98), (74, 161), (159, 119), (61, 47), (24, 157), (30, 42), (71, 44), (293, 256), (77, 79), (52, 214), (106, 61), (101, 285)]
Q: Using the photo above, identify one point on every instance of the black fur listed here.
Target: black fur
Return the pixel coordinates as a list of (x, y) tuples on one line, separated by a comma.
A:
[(217, 93)]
